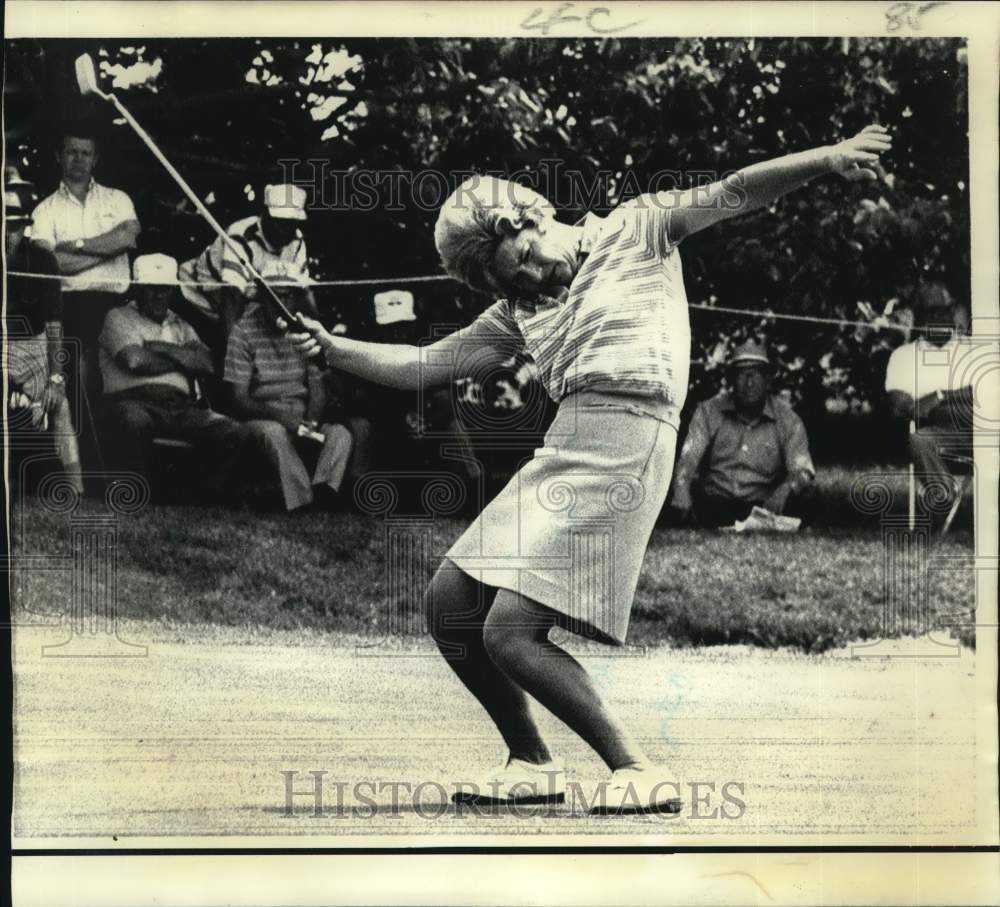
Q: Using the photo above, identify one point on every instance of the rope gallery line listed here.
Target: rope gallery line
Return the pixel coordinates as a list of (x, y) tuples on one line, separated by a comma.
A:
[(363, 281), (434, 278)]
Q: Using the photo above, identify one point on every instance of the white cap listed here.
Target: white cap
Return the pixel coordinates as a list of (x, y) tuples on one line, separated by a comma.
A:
[(284, 273), (157, 268), (394, 305), (285, 200)]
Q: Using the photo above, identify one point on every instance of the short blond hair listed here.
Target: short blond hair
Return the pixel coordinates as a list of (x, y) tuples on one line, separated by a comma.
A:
[(475, 218)]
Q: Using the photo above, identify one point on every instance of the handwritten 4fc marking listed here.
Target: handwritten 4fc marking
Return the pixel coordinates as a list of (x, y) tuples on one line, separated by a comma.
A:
[(594, 18)]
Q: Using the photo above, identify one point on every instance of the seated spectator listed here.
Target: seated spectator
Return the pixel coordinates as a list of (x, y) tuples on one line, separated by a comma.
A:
[(744, 448), (346, 404), (150, 359), (34, 333), (216, 285), (923, 385), (283, 398)]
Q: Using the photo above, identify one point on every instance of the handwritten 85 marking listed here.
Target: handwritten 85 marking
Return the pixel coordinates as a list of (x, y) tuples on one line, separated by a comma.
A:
[(908, 14)]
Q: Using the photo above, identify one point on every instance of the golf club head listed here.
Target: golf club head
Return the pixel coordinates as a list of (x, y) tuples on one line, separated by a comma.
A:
[(86, 76)]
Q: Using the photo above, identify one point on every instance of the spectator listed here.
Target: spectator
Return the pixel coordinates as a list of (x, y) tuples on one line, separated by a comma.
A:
[(283, 397), (923, 385), (346, 404), (421, 430), (33, 331), (744, 448), (90, 228), (271, 237), (149, 361)]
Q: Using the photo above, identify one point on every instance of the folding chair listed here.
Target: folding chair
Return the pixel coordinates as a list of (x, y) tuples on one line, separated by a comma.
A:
[(963, 480), (175, 453)]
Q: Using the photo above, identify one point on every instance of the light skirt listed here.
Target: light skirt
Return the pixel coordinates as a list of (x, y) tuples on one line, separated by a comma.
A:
[(571, 527)]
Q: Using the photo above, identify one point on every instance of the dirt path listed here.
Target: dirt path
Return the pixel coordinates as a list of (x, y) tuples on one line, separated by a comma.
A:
[(193, 739)]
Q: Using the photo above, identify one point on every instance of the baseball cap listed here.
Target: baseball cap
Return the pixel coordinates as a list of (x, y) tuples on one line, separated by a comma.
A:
[(155, 268), (394, 305), (285, 201), (750, 352)]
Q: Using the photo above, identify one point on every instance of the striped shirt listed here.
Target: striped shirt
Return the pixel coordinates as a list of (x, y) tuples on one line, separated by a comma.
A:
[(266, 363), (220, 264), (62, 217), (624, 326)]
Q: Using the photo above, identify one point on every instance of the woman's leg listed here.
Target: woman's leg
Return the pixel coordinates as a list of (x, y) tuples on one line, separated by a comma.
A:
[(517, 639), (457, 606)]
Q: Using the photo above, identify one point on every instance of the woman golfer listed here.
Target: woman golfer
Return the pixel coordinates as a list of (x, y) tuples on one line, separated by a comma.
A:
[(601, 308)]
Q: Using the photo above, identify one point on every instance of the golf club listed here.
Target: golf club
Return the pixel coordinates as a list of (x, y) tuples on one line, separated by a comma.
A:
[(86, 78)]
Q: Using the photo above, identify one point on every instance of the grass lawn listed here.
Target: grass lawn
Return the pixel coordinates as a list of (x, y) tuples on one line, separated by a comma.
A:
[(813, 591)]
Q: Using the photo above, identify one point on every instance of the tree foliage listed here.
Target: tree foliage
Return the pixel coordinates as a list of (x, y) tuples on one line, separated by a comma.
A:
[(611, 112)]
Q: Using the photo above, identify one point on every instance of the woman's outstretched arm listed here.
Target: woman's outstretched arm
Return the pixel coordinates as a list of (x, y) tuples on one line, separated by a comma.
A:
[(398, 365), (761, 184)]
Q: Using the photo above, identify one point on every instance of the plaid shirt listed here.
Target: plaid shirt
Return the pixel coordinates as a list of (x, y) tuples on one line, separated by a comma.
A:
[(740, 460)]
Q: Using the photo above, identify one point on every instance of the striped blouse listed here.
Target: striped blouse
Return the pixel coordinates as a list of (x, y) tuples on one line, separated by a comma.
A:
[(624, 326)]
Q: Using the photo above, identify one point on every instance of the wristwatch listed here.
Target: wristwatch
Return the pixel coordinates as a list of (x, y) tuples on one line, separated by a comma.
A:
[(78, 244), (57, 378)]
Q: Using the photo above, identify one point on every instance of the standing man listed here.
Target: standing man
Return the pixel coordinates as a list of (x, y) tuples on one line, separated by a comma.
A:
[(745, 447), (924, 385), (282, 396), (90, 228), (149, 361), (271, 237), (33, 332)]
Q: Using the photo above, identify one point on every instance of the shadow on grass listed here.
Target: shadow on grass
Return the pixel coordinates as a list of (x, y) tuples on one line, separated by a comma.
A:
[(819, 589)]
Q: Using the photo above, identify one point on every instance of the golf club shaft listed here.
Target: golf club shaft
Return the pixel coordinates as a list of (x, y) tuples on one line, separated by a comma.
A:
[(283, 310)]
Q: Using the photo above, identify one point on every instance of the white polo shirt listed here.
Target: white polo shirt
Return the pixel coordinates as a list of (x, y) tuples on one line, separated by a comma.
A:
[(62, 217), (920, 368), (127, 326)]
